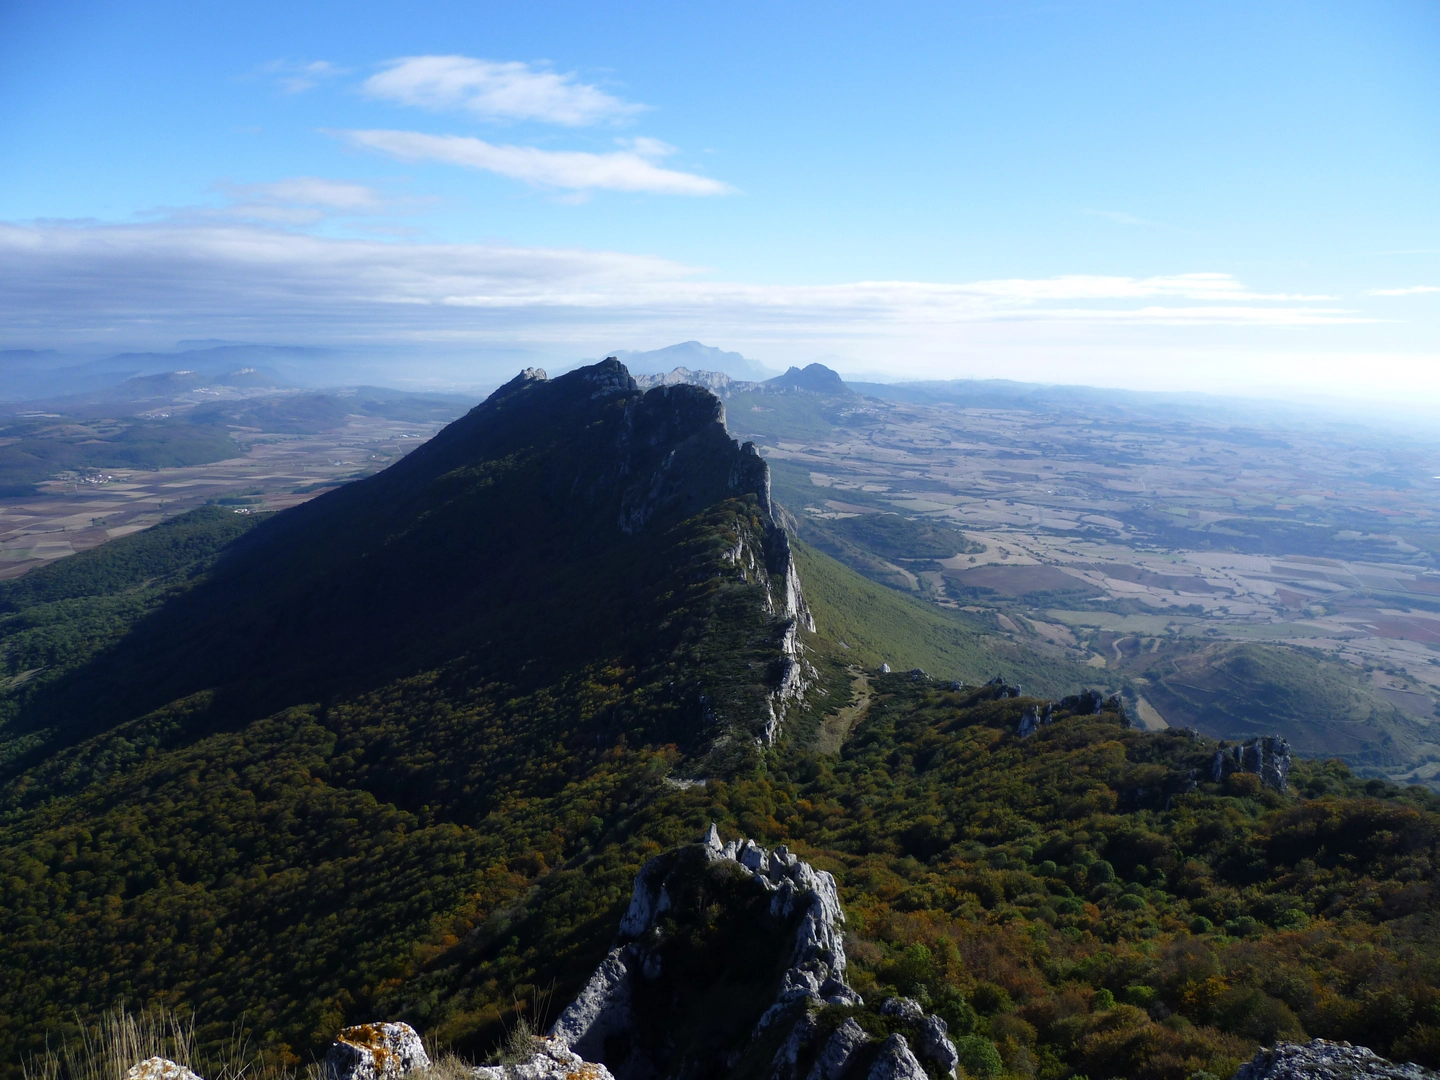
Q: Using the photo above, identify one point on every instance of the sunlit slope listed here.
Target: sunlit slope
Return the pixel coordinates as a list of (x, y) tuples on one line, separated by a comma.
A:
[(1240, 690), (870, 624)]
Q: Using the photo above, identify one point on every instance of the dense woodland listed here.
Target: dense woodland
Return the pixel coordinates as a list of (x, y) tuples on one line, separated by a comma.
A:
[(454, 842)]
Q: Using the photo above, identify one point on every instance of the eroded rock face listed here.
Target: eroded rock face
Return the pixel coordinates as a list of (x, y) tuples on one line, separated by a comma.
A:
[(159, 1068), (382, 1051), (767, 559), (932, 1035), (838, 1050), (552, 1060), (602, 1009), (1320, 1059), (896, 1062)]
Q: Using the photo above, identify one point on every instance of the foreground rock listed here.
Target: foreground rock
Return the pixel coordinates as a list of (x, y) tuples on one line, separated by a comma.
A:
[(1320, 1059), (159, 1068), (383, 1051), (552, 1060)]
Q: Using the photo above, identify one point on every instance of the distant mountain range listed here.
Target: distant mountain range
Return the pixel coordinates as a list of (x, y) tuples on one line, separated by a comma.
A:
[(696, 357), (33, 374), (815, 379)]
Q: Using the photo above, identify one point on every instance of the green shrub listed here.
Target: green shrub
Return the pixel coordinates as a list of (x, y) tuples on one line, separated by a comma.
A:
[(951, 1006), (1140, 996), (915, 970), (989, 999), (1201, 925), (1103, 999), (978, 1056), (1292, 919)]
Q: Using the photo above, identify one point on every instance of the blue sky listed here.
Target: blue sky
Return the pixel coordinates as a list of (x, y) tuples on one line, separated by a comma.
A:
[(1219, 196)]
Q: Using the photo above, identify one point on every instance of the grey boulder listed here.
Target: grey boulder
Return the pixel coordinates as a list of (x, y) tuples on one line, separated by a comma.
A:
[(381, 1051)]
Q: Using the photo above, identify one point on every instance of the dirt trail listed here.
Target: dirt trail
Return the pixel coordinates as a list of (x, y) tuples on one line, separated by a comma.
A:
[(837, 725)]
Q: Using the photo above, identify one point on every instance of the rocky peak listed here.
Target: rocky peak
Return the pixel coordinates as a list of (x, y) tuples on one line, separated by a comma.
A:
[(605, 378), (765, 926)]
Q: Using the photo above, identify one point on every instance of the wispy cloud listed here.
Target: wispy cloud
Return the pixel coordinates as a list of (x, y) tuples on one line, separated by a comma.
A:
[(1205, 286), (296, 77), (573, 170), (496, 90), (59, 281), (294, 202), (654, 149), (1409, 290)]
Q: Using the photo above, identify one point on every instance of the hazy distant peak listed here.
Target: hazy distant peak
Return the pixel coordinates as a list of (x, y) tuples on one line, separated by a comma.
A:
[(817, 378), (695, 356)]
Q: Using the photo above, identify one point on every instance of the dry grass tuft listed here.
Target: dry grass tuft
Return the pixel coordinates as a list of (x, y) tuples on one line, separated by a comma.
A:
[(119, 1039)]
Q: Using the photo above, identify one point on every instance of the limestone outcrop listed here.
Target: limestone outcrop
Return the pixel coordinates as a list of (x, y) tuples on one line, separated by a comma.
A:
[(896, 1062), (776, 901), (1268, 756), (932, 1035), (768, 927), (1320, 1059), (380, 1051)]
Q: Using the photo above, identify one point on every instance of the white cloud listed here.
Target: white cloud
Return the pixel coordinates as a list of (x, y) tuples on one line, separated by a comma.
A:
[(497, 90), (622, 170), (297, 201), (1411, 290), (653, 149), (295, 78), (1198, 286), (56, 279), (146, 285), (309, 191)]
